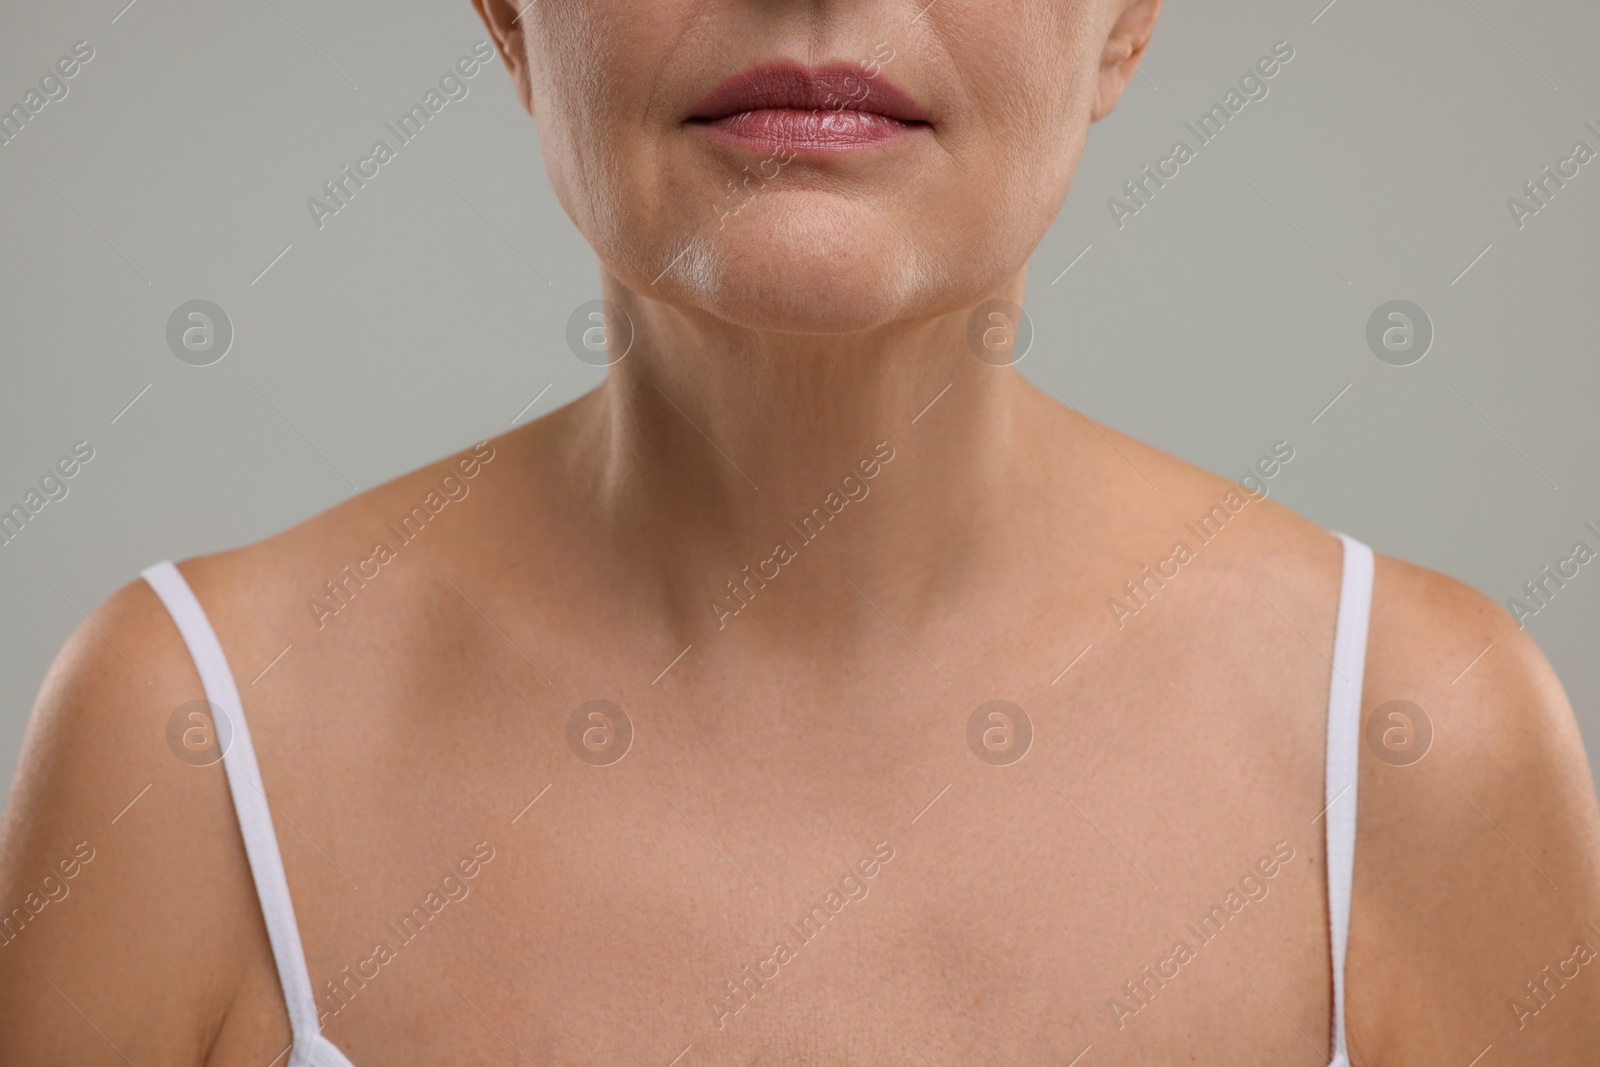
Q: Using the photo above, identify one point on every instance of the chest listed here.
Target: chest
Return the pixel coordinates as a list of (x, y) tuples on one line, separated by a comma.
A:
[(785, 887)]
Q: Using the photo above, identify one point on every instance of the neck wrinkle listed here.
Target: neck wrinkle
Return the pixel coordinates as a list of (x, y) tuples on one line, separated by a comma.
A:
[(713, 440)]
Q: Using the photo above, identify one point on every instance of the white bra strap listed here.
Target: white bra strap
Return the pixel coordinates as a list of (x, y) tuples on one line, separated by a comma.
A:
[(1344, 750), (249, 803)]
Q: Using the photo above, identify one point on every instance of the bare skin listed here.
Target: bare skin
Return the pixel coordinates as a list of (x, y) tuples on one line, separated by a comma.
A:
[(825, 720)]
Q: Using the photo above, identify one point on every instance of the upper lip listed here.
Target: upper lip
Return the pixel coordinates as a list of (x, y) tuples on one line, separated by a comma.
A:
[(789, 85)]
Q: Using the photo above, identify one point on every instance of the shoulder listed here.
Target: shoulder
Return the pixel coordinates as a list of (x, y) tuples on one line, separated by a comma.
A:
[(1476, 912), (1273, 564), (1435, 640), (111, 845), (1505, 747), (283, 591), (123, 878), (1480, 858)]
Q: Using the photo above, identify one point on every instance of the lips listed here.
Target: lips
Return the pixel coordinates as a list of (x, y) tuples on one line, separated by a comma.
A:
[(829, 108)]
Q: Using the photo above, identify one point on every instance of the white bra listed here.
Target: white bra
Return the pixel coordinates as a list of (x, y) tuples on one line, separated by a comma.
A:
[(311, 1049)]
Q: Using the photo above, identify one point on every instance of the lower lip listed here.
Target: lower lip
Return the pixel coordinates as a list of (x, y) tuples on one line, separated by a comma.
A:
[(794, 129)]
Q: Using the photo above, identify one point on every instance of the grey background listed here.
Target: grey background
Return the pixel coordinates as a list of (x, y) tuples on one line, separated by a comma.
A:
[(1223, 317)]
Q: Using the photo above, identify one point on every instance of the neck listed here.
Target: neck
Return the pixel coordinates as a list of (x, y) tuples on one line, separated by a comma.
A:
[(887, 457)]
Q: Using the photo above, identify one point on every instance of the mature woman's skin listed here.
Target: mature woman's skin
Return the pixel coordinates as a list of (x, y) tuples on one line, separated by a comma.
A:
[(779, 351)]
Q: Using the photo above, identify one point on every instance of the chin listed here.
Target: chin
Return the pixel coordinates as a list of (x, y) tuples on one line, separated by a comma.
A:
[(804, 263)]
